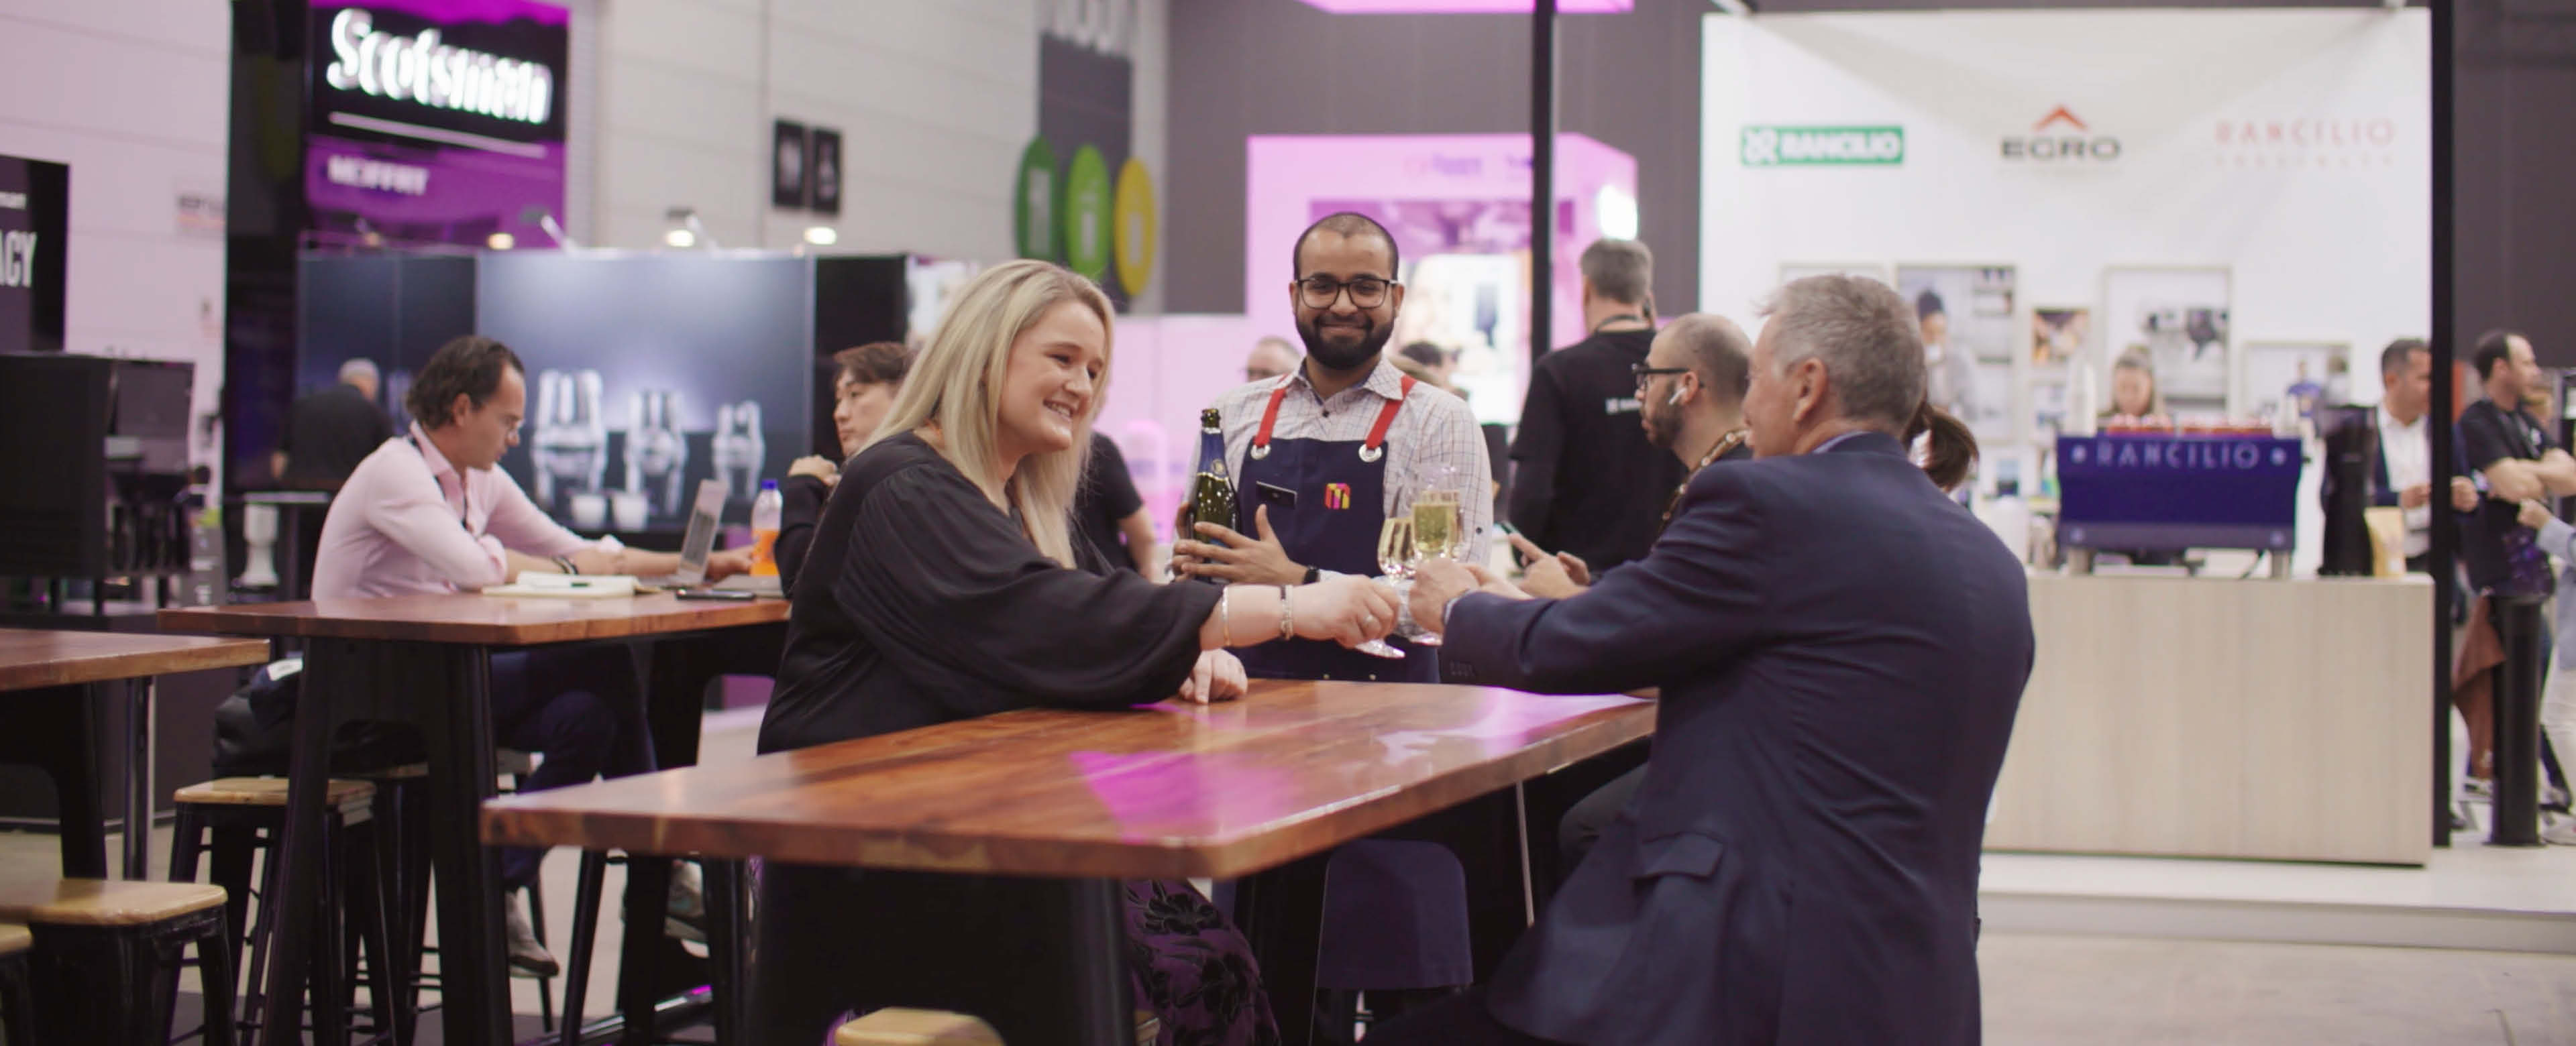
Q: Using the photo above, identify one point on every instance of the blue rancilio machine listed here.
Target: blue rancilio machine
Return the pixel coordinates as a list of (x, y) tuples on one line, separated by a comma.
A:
[(2159, 492)]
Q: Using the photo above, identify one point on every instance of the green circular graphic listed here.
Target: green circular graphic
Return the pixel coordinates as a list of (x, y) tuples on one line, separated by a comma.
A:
[(1033, 204), (1087, 227)]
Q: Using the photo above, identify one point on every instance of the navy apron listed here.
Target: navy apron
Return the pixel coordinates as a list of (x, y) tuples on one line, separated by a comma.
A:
[(1332, 521)]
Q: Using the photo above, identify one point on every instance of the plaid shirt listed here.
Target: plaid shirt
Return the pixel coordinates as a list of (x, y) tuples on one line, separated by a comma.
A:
[(1433, 428)]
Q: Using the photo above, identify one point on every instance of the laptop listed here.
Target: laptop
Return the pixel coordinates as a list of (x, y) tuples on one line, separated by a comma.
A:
[(704, 515)]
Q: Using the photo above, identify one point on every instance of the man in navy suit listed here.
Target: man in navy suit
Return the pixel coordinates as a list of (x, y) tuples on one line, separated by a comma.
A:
[(1840, 650)]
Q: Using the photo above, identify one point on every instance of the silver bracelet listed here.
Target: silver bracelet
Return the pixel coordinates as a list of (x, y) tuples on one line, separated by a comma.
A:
[(1287, 624)]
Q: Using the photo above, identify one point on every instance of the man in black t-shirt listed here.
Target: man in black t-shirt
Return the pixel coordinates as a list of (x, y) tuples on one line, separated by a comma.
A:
[(329, 432), (1585, 480), (2516, 456), (1108, 507)]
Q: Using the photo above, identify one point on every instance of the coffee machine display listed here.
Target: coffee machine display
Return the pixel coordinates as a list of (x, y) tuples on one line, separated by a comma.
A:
[(571, 440), (656, 452), (739, 450)]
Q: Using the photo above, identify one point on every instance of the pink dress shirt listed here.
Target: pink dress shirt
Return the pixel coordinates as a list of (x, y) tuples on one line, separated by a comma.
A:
[(408, 523)]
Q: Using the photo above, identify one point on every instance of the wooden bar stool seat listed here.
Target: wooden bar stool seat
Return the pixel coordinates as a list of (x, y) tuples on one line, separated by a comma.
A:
[(353, 799), (17, 1001), (897, 1026), (104, 962), (231, 820)]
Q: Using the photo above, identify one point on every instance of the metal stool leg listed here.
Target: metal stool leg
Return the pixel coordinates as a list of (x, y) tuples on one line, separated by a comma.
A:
[(585, 933)]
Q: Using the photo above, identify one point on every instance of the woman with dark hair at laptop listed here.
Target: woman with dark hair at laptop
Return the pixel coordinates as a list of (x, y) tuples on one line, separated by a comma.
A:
[(869, 377)]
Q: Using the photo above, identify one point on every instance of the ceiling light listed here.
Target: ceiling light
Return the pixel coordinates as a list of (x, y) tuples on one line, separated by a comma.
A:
[(681, 238), (822, 235), (500, 241)]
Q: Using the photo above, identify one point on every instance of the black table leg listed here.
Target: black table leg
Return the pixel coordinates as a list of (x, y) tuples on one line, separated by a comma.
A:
[(1088, 989), (454, 710), (331, 667), (1281, 912), (651, 966), (56, 729)]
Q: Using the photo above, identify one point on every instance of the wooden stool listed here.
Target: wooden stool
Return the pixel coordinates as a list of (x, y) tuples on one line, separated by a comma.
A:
[(402, 845), (106, 957), (896, 1026), (232, 818), (17, 1003)]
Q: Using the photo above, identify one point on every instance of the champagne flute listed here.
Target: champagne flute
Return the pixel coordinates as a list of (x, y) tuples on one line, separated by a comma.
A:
[(1396, 541)]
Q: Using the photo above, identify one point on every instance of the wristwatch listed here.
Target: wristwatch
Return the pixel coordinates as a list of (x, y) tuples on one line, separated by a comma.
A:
[(1313, 574)]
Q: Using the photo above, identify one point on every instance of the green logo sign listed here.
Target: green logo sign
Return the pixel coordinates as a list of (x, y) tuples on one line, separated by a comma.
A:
[(1087, 227), (1033, 209), (1823, 146)]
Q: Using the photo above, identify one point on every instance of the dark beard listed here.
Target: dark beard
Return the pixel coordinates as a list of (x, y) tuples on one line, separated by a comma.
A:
[(1336, 357), (1661, 429)]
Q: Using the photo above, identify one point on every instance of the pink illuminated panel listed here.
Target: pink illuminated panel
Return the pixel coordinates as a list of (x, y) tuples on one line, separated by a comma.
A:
[(1464, 7)]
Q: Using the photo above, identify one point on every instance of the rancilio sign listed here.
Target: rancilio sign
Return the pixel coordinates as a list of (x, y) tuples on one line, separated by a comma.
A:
[(1772, 146)]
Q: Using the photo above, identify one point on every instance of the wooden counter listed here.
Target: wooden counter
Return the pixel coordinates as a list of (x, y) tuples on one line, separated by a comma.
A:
[(2223, 718)]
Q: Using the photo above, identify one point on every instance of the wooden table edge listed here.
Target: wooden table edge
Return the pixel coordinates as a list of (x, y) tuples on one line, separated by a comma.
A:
[(524, 820), (217, 621), (104, 668)]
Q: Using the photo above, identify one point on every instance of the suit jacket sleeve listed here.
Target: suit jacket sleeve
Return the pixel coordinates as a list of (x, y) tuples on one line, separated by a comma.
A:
[(1698, 599)]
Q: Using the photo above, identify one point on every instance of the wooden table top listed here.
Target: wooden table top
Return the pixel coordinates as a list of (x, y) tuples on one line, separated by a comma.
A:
[(32, 658), (466, 617), (1164, 790)]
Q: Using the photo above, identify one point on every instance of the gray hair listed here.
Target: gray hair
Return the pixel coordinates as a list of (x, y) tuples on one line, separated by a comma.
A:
[(358, 370), (1716, 350), (1620, 270), (1867, 337)]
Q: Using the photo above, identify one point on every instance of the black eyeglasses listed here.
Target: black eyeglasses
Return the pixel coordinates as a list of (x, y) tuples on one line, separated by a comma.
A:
[(1647, 374), (1318, 292)]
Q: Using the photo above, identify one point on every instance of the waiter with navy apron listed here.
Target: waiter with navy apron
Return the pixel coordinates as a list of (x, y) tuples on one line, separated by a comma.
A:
[(1321, 455)]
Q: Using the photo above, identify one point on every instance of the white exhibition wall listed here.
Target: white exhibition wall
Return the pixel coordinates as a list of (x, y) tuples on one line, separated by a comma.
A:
[(2288, 147)]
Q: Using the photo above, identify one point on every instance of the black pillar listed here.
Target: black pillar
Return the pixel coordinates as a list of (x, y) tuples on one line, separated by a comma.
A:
[(2446, 527), (2519, 623), (1542, 177)]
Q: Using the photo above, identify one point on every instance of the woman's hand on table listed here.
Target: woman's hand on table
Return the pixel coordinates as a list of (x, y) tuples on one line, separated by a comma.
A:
[(1349, 610), (725, 564), (1217, 677)]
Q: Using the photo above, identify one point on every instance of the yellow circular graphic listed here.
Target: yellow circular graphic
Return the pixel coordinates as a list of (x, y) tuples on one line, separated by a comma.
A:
[(1132, 218)]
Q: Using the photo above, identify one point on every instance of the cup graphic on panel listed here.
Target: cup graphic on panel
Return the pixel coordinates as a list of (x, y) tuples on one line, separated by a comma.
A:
[(738, 449), (656, 452), (571, 449)]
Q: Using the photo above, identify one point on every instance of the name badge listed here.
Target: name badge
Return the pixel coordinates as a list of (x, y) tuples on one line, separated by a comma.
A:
[(1616, 406)]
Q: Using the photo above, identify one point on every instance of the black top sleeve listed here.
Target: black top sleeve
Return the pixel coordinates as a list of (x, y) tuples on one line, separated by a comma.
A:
[(1534, 458), (1118, 497), (800, 507), (950, 590), (2483, 441)]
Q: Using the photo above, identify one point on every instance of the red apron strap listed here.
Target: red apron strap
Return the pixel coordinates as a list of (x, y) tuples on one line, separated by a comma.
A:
[(1385, 420), (1269, 417)]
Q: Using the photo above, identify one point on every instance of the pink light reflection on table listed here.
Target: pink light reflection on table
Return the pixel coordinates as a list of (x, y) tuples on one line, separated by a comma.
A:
[(1164, 794)]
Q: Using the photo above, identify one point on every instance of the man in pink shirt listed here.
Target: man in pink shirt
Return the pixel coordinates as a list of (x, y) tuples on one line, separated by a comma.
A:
[(431, 513)]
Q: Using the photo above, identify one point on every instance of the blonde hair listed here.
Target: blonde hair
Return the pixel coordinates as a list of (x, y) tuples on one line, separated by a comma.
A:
[(954, 385)]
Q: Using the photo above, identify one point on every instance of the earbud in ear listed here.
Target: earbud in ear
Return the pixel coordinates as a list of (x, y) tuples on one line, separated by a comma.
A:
[(1675, 399)]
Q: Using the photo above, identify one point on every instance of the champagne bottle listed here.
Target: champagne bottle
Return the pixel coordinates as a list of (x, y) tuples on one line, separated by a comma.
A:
[(1212, 493)]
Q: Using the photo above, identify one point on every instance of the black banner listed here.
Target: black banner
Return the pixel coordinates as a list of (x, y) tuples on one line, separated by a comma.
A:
[(384, 73), (35, 214)]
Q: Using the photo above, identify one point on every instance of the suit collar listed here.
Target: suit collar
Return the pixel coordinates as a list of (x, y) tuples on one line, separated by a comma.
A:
[(1862, 442)]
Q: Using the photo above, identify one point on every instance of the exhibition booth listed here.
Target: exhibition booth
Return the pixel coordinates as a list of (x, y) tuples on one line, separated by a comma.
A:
[(2240, 199)]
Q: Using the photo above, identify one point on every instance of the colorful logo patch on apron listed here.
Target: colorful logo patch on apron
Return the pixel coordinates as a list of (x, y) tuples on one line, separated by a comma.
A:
[(1337, 495)]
